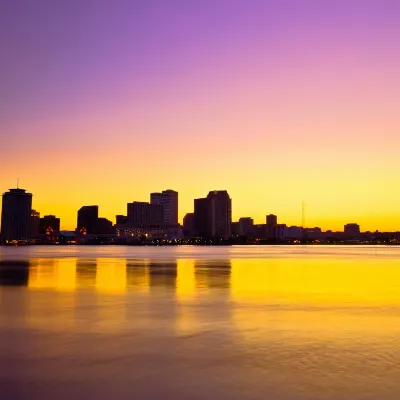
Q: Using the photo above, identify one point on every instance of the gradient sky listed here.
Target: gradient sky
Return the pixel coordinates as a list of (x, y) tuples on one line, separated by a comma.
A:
[(104, 101)]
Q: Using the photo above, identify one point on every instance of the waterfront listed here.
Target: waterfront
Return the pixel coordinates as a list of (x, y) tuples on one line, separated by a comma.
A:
[(235, 322)]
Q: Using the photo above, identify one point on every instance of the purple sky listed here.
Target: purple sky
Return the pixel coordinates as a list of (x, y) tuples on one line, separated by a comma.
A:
[(237, 83)]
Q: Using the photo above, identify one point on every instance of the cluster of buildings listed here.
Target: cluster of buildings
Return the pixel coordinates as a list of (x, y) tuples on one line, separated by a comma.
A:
[(157, 219)]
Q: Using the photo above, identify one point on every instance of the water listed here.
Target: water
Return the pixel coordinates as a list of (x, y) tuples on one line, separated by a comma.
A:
[(200, 322)]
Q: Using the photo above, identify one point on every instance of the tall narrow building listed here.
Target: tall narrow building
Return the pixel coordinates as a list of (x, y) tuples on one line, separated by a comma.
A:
[(213, 215), (220, 213), (16, 215), (168, 199)]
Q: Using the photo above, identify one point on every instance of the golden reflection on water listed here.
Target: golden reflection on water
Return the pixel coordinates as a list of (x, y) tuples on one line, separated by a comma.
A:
[(314, 281)]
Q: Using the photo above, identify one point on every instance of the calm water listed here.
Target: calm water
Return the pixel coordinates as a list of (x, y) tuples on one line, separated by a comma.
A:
[(200, 323)]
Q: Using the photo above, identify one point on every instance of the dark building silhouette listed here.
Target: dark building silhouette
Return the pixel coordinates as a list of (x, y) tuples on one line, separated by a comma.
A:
[(87, 219), (121, 219), (220, 213), (235, 229), (16, 215), (271, 219), (34, 225), (168, 199), (352, 230), (213, 214), (49, 224), (201, 217), (144, 214), (261, 231), (104, 226), (246, 226), (188, 225)]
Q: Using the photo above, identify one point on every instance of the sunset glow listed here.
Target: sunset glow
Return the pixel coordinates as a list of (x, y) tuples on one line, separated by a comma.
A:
[(275, 101)]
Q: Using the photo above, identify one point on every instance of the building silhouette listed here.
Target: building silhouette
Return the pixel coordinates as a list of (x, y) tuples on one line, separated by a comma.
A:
[(220, 206), (34, 225), (352, 230), (168, 199), (246, 226), (87, 219), (188, 225), (16, 215), (142, 214), (201, 217), (213, 215), (49, 224), (271, 219), (121, 219)]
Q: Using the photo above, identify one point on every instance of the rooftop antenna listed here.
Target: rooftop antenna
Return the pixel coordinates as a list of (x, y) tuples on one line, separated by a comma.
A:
[(303, 214), (17, 183)]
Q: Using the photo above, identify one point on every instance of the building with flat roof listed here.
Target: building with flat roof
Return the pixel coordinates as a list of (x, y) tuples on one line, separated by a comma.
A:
[(16, 215), (168, 199)]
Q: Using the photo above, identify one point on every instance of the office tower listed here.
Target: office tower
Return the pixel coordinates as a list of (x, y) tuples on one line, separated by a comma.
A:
[(246, 226), (34, 225), (169, 200), (220, 213), (87, 218), (201, 217), (213, 215), (188, 225), (49, 224), (271, 219), (144, 214), (16, 215), (352, 230)]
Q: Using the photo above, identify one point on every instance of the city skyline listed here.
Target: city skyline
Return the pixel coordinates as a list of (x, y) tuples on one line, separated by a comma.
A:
[(211, 216), (276, 101)]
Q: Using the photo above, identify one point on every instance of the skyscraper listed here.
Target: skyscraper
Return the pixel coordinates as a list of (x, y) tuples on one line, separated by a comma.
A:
[(169, 200), (201, 217), (87, 218), (213, 214), (16, 215), (220, 213)]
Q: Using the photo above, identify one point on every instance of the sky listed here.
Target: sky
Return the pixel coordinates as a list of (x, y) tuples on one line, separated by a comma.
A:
[(278, 102)]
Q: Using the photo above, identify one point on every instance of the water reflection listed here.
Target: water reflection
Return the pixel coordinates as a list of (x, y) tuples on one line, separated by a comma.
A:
[(213, 274), (14, 273)]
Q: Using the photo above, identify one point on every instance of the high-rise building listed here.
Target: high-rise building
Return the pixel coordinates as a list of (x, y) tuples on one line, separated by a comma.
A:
[(246, 226), (87, 219), (213, 214), (16, 215), (168, 199), (220, 211), (201, 217), (271, 219), (49, 224), (144, 214), (34, 225)]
